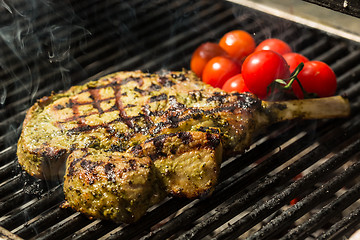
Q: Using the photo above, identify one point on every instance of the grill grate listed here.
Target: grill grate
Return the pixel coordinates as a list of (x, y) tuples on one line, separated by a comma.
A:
[(56, 45)]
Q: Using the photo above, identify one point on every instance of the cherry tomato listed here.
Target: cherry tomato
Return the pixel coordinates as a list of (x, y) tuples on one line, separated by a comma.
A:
[(235, 83), (275, 45), (294, 59), (316, 77), (238, 44), (203, 54), (219, 69), (261, 68)]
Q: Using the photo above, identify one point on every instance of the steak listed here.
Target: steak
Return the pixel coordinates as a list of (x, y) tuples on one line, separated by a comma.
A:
[(129, 139)]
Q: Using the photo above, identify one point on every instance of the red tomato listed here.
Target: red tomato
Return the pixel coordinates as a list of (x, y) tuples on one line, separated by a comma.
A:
[(294, 59), (275, 45), (219, 69), (238, 44), (261, 68), (316, 77), (203, 54), (235, 83)]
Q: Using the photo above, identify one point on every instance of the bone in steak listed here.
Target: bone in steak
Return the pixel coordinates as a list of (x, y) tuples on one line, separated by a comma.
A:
[(131, 138)]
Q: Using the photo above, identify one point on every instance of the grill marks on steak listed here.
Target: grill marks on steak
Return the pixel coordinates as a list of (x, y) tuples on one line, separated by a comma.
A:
[(172, 127), (130, 138), (211, 141), (120, 186), (188, 162), (172, 114), (113, 186), (89, 167), (119, 106), (95, 96), (171, 117), (95, 99), (125, 109)]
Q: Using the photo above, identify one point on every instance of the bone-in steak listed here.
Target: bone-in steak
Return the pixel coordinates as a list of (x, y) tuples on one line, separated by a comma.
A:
[(130, 138)]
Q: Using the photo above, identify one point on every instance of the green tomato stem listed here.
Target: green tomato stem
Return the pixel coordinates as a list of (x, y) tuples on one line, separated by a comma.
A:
[(287, 83)]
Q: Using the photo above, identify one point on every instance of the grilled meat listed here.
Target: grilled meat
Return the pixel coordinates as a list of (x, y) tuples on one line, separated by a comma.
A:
[(111, 185), (131, 137)]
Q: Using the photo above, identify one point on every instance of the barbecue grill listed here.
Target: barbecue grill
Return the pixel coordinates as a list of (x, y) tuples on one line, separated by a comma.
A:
[(49, 46)]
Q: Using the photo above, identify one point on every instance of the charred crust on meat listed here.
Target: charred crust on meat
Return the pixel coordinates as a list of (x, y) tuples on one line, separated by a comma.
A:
[(157, 98), (109, 172), (159, 114), (89, 165), (196, 95), (137, 150), (165, 81), (73, 147), (197, 113), (59, 107), (116, 148), (95, 96), (83, 128), (174, 103), (172, 117), (93, 143), (69, 104), (218, 96), (71, 168), (122, 114), (213, 140), (130, 106), (51, 152), (132, 165), (185, 137), (140, 91), (113, 108), (173, 120), (147, 113), (154, 87), (159, 142), (209, 130), (181, 77), (157, 155)]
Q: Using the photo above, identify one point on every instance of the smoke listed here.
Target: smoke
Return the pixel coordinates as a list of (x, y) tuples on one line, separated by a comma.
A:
[(37, 41), (35, 35)]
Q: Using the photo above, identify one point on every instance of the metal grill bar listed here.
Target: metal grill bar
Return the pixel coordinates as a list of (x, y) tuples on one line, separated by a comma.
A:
[(321, 217), (340, 228), (227, 187), (234, 206), (50, 198), (341, 68), (325, 192), (45, 220)]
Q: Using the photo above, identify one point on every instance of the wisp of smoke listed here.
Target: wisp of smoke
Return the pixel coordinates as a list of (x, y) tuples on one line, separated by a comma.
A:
[(31, 33), (36, 39)]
